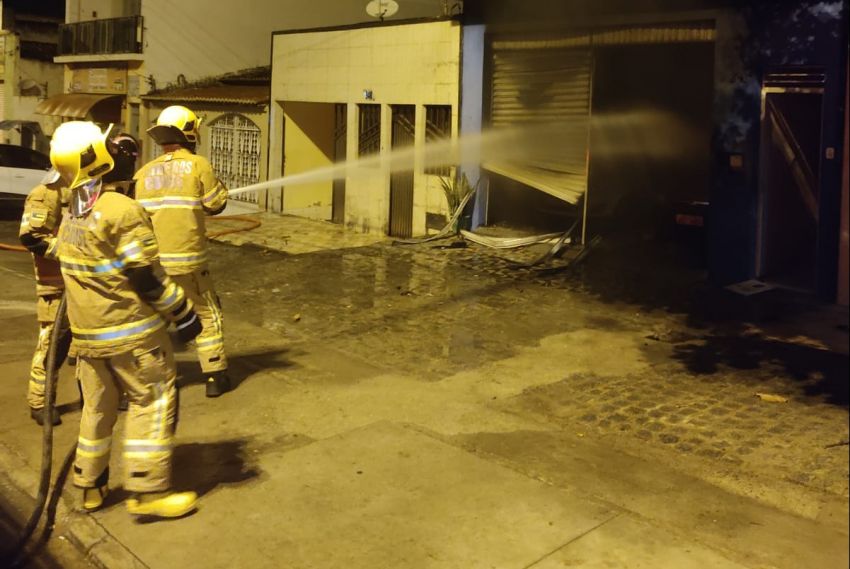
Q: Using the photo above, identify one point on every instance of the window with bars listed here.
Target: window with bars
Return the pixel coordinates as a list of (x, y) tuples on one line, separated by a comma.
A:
[(235, 153), (369, 130), (438, 128)]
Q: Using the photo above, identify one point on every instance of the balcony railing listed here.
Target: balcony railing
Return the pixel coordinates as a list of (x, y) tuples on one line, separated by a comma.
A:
[(101, 37)]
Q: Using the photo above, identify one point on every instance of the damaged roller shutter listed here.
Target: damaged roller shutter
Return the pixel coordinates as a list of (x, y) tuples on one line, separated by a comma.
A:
[(541, 88)]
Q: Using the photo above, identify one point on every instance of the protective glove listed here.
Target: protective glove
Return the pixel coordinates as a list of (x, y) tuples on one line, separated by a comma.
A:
[(188, 327)]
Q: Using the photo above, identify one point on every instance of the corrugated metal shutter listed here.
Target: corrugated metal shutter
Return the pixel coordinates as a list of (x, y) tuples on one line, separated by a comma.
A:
[(548, 81), (534, 84)]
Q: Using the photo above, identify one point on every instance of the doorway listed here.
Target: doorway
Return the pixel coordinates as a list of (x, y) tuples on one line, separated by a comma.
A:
[(309, 146), (401, 183), (789, 187), (651, 138)]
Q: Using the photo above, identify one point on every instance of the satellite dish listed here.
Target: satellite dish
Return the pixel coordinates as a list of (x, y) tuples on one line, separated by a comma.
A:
[(382, 8), (29, 88)]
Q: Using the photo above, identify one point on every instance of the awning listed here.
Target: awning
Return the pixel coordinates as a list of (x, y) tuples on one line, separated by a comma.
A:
[(73, 105)]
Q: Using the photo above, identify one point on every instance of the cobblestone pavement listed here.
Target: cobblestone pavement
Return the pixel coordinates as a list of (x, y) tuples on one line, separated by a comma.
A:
[(686, 396), (659, 364)]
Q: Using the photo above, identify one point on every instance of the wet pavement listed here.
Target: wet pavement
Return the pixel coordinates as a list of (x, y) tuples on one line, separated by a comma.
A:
[(687, 373), (621, 379)]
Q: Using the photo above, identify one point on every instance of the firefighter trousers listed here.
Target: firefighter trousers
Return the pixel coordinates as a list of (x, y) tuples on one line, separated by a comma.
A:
[(198, 286), (46, 308), (148, 375)]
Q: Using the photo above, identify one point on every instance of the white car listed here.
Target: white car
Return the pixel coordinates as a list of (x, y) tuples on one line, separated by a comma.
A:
[(21, 169)]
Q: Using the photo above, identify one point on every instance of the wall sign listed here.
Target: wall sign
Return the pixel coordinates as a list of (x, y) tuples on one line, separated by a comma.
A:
[(99, 80)]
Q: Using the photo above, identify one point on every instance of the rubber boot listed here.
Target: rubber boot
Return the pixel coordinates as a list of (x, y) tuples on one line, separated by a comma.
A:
[(162, 504), (93, 497), (217, 383), (37, 415)]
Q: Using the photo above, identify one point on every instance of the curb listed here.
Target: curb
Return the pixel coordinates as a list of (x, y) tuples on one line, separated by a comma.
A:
[(99, 545), (81, 529)]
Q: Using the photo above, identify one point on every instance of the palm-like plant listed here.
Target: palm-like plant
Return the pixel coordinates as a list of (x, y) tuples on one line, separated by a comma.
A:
[(455, 188)]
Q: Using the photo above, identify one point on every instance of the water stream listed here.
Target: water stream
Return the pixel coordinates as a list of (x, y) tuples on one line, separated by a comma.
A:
[(555, 148)]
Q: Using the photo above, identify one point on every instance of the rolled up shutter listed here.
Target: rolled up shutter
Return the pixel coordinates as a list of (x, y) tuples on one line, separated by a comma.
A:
[(544, 84), (548, 81)]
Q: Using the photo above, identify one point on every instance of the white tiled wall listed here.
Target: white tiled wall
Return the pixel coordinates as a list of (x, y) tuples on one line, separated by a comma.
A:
[(416, 64)]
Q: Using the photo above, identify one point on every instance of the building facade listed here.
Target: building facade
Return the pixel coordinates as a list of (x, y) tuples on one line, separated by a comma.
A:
[(370, 96), (28, 43), (234, 127), (116, 51)]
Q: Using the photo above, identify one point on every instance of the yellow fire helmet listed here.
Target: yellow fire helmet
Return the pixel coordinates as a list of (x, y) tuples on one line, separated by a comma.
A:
[(176, 125), (78, 152)]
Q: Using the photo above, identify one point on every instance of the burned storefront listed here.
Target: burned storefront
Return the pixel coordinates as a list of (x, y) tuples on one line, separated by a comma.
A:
[(715, 123)]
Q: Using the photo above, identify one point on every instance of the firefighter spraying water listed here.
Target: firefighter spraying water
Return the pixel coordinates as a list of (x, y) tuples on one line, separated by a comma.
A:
[(179, 189)]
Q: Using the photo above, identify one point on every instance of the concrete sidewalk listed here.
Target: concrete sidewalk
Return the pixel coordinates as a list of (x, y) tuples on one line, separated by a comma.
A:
[(416, 416)]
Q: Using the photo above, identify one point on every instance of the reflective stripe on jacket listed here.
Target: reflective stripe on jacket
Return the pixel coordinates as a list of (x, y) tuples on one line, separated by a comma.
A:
[(107, 316), (178, 190)]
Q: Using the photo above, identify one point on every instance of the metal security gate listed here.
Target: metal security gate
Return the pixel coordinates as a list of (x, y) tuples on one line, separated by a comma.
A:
[(235, 153), (545, 83), (340, 134), (2, 83), (401, 183)]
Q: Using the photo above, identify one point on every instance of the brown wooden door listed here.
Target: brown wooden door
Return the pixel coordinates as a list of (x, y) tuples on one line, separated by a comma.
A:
[(340, 134)]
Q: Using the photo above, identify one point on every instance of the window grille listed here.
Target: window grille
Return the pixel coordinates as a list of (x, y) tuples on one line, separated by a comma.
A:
[(438, 128), (235, 153), (369, 130)]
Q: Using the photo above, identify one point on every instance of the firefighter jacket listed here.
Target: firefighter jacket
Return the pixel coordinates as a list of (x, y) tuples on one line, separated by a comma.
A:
[(39, 225), (96, 251), (178, 190)]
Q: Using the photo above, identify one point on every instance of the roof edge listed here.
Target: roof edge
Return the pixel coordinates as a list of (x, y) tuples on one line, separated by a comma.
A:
[(370, 24)]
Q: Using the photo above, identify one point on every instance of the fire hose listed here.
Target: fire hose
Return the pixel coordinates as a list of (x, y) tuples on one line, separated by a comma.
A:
[(249, 224), (46, 496), (16, 248)]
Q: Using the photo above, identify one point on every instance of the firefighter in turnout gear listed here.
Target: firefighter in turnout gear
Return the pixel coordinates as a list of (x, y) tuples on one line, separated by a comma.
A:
[(39, 225), (178, 189), (119, 302)]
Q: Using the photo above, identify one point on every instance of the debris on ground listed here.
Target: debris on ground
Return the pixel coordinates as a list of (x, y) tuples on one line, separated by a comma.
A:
[(771, 398), (661, 334), (750, 287)]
